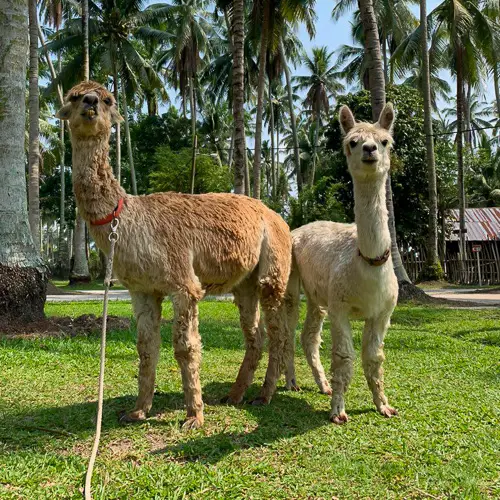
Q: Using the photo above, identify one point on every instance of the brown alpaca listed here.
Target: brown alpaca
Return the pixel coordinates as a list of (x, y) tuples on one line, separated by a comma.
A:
[(184, 246)]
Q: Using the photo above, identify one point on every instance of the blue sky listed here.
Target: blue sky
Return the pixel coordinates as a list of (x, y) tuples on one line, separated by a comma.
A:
[(334, 34)]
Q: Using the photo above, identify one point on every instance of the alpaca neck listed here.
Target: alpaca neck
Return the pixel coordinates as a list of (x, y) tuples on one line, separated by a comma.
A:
[(371, 217), (97, 191)]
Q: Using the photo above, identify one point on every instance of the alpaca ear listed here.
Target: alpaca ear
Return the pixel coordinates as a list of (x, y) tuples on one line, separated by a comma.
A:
[(115, 115), (346, 119), (386, 119), (65, 112)]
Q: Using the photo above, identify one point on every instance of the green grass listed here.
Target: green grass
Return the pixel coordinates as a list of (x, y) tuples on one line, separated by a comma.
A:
[(442, 373), (93, 285)]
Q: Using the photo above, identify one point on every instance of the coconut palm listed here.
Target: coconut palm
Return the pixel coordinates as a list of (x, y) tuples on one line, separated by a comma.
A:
[(23, 276), (269, 17), (433, 270), (188, 40), (394, 19), (377, 95), (115, 27), (34, 128), (321, 84)]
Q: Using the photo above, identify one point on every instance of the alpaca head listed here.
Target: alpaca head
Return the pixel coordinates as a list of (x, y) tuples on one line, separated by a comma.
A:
[(90, 109), (367, 145)]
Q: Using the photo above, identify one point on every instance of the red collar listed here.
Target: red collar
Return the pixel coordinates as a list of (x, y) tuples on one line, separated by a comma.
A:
[(114, 214), (377, 261)]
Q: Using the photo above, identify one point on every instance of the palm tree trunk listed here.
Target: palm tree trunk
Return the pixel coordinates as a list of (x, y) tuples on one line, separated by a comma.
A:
[(80, 270), (260, 99), (62, 247), (460, 156), (53, 74), (230, 154), (34, 128), (433, 269), (372, 49), (386, 65), (497, 89), (248, 188), (273, 146), (277, 180), (23, 277), (377, 92), (129, 142), (293, 123), (85, 32), (118, 145), (193, 131), (467, 103), (237, 37), (315, 151)]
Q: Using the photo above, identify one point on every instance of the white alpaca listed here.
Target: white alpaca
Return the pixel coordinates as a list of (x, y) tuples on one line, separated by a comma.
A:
[(346, 270)]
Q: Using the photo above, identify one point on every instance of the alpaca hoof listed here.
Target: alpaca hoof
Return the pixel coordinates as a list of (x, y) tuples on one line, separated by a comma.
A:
[(132, 416), (292, 386), (260, 401), (339, 419), (325, 389), (388, 411), (230, 400), (192, 423)]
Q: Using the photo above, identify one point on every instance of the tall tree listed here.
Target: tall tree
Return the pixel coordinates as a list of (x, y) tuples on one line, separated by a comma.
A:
[(236, 34), (321, 84), (85, 34), (22, 275), (79, 272), (377, 92), (433, 269), (263, 18), (34, 128)]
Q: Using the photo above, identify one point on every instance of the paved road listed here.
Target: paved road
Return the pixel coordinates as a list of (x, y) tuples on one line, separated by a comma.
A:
[(463, 294)]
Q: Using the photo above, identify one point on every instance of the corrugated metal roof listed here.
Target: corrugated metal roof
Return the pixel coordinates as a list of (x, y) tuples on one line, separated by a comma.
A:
[(482, 223)]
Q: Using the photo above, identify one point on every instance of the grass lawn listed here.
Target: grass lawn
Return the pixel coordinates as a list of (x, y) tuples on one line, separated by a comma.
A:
[(93, 285), (442, 373)]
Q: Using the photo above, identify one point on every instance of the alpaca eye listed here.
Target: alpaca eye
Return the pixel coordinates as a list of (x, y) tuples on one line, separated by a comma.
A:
[(74, 98), (108, 101), (353, 144), (385, 142)]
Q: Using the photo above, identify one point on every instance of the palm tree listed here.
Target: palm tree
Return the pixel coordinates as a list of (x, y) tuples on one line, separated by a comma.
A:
[(116, 28), (395, 21), (268, 17), (234, 15), (433, 265), (321, 84), (53, 16), (478, 115), (471, 36), (23, 277), (377, 93), (34, 128), (291, 50), (188, 39)]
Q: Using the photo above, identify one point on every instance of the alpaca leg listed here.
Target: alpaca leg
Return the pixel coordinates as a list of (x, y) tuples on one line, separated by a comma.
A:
[(187, 350), (277, 332), (292, 300), (342, 364), (246, 296), (147, 310), (372, 355), (311, 341)]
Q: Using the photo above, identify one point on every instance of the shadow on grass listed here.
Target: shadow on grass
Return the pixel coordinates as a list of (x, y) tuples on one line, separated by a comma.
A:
[(287, 416)]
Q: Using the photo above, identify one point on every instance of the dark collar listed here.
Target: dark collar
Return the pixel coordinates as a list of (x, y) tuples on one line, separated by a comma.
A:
[(377, 261), (114, 214)]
